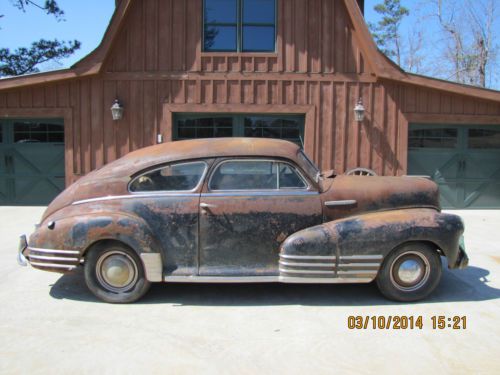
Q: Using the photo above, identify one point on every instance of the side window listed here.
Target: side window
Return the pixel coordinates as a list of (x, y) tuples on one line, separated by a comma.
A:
[(289, 178), (255, 175), (174, 177)]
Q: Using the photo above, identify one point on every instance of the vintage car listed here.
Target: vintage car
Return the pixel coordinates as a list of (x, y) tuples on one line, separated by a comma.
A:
[(243, 210)]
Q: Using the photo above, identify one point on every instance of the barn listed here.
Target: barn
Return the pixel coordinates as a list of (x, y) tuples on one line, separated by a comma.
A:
[(291, 69)]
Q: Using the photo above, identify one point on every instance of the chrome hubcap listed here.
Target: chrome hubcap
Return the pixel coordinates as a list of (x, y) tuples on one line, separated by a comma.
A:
[(409, 271), (116, 271)]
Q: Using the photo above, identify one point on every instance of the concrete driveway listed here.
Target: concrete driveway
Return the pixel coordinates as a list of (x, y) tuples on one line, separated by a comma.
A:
[(51, 323)]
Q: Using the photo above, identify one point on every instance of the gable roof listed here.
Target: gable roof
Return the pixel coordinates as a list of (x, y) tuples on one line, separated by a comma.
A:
[(382, 66)]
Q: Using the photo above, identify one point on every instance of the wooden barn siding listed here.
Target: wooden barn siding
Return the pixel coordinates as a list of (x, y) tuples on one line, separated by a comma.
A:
[(334, 139), (313, 36)]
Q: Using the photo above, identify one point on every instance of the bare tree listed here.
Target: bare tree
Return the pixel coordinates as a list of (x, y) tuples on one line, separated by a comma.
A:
[(469, 46)]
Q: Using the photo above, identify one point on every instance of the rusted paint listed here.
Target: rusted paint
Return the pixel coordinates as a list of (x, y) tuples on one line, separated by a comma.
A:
[(249, 233)]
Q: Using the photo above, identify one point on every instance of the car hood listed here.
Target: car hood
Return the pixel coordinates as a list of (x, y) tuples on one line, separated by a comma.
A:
[(375, 193)]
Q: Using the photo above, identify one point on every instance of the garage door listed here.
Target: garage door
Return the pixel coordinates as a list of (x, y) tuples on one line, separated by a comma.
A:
[(463, 160), (31, 161)]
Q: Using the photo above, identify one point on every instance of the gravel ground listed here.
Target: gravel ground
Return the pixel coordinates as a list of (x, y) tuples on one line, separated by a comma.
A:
[(52, 323)]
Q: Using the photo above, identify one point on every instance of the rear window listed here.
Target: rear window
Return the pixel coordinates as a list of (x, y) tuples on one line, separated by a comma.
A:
[(174, 177)]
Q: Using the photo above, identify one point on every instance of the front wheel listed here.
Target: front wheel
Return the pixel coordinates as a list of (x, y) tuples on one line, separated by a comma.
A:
[(410, 273), (114, 273)]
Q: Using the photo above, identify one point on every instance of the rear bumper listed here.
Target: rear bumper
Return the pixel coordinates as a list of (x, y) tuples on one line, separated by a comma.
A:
[(23, 245), (47, 259)]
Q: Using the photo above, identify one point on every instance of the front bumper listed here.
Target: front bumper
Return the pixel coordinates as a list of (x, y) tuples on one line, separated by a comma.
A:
[(462, 260)]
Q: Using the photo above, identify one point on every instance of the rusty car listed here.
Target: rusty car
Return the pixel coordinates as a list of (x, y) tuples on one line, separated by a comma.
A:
[(243, 210)]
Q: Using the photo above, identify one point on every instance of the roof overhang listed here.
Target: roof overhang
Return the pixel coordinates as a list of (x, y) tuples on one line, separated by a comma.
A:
[(383, 68)]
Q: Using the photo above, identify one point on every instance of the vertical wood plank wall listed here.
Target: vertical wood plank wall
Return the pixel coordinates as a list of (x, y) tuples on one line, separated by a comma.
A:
[(157, 60)]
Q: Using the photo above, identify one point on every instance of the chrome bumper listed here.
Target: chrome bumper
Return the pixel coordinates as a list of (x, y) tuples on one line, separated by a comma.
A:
[(23, 245)]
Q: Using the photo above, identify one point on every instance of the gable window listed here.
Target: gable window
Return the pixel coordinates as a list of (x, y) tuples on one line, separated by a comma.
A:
[(239, 25)]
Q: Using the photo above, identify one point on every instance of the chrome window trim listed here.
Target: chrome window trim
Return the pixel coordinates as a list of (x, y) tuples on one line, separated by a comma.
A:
[(256, 193), (301, 176), (196, 188)]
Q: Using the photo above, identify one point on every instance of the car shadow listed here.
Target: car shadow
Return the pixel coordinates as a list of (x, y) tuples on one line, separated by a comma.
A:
[(456, 286)]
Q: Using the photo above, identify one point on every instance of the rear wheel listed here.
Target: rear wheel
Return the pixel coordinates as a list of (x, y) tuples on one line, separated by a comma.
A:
[(410, 273), (114, 273)]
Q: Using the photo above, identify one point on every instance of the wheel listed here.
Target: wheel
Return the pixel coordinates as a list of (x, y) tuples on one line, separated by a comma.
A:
[(410, 273), (114, 273), (360, 172)]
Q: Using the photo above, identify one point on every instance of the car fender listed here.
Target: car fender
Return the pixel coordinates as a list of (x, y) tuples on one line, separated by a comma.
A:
[(355, 247), (79, 233)]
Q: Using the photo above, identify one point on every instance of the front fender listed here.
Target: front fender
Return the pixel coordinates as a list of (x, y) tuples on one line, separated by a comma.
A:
[(355, 247)]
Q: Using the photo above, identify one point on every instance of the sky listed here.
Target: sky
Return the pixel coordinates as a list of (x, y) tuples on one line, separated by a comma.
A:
[(86, 20)]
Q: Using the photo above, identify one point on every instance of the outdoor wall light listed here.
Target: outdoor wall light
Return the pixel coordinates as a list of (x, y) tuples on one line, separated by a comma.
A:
[(117, 110), (359, 111)]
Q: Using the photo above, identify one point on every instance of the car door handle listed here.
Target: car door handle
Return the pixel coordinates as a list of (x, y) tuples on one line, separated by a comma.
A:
[(206, 206)]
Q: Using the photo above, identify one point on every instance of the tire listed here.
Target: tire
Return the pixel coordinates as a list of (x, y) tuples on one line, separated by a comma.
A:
[(125, 280), (422, 264)]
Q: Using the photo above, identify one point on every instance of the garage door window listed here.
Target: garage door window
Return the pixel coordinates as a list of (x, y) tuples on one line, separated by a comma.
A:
[(433, 138), (484, 138), (38, 132), (287, 127)]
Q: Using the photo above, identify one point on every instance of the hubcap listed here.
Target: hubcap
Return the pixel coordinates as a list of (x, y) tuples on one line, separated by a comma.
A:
[(409, 271), (116, 271)]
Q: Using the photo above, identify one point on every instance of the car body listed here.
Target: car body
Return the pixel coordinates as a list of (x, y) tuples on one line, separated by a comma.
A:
[(243, 210)]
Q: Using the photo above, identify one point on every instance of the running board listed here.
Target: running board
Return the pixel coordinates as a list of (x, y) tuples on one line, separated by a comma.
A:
[(265, 279)]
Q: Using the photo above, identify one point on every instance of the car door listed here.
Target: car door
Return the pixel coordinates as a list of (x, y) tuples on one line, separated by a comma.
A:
[(247, 209)]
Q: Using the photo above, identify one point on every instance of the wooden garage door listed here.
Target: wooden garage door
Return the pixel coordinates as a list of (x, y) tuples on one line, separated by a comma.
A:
[(31, 161), (463, 160)]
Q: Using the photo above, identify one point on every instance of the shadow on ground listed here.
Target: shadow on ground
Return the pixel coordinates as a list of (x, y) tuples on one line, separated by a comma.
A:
[(456, 286)]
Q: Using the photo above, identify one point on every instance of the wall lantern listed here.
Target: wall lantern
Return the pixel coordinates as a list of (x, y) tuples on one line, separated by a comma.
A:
[(117, 110), (359, 111)]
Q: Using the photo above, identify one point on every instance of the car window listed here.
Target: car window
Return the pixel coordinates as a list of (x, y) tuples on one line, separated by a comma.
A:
[(255, 175), (289, 178), (174, 177)]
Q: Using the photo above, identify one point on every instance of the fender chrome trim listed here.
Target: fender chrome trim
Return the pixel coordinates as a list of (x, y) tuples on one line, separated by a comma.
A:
[(343, 203), (53, 251), (153, 266)]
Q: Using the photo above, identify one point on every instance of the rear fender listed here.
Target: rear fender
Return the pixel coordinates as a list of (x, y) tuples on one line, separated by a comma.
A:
[(79, 233)]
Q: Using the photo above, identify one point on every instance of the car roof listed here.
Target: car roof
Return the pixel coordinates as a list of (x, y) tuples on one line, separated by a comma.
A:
[(198, 149)]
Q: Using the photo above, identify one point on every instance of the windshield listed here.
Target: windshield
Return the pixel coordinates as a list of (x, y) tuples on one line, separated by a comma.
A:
[(308, 166)]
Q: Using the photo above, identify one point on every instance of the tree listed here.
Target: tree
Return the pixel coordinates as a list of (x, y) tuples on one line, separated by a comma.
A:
[(387, 30), (469, 48), (26, 60)]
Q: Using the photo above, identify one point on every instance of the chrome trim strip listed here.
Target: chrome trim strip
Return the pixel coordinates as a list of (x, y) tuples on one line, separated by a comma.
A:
[(288, 264), (153, 266), (352, 265), (50, 265), (221, 279), (357, 272), (361, 257), (52, 251), (305, 257), (320, 280), (261, 193), (40, 257), (308, 271), (135, 196), (349, 202)]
